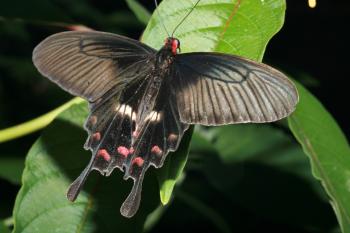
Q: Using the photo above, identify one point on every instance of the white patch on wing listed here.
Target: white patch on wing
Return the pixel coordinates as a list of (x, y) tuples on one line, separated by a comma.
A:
[(133, 117), (125, 109), (154, 116)]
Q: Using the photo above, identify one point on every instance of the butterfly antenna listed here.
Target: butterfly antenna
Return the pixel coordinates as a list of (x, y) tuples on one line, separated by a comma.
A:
[(160, 17), (183, 19)]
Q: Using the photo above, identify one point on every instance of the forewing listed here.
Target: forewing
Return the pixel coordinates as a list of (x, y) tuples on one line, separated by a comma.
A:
[(216, 89), (88, 64)]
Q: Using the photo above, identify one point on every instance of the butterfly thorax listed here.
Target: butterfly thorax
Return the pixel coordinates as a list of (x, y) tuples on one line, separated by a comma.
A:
[(164, 58), (156, 85)]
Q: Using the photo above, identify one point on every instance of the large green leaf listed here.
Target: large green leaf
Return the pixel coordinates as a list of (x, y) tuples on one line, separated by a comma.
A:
[(261, 169), (238, 27), (52, 163), (328, 150), (230, 26)]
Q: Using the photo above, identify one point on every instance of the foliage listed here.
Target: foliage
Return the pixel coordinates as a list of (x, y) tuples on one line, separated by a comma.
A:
[(237, 178)]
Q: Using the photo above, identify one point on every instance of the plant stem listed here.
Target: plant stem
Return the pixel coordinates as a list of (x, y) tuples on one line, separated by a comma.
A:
[(35, 124), (9, 221)]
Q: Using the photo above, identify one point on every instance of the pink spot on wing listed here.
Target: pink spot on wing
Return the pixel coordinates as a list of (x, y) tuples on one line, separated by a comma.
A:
[(172, 137), (131, 150), (93, 120), (104, 154), (96, 136), (122, 150), (138, 161), (156, 150), (80, 28), (135, 134)]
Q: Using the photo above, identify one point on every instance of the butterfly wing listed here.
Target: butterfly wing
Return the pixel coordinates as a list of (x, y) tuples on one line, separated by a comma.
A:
[(112, 72), (217, 89), (88, 64), (115, 142)]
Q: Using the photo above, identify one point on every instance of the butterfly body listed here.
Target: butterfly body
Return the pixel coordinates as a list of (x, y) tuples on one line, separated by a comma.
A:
[(143, 100)]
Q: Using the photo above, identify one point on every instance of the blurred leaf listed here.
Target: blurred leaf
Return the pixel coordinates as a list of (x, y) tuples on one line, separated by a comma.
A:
[(173, 167), (273, 180), (239, 27), (329, 152), (306, 79), (52, 163), (28, 10), (153, 218), (140, 11), (244, 142), (209, 213), (3, 227), (11, 169)]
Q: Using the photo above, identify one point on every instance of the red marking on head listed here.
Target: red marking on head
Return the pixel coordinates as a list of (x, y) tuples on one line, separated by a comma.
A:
[(104, 154), (174, 45), (122, 150), (172, 137), (96, 136), (138, 161), (131, 150), (156, 150)]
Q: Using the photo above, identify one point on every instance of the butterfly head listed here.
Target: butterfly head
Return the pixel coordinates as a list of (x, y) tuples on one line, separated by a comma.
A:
[(172, 44)]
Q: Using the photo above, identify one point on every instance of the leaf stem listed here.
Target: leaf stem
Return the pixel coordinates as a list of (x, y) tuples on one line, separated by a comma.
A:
[(8, 221), (208, 212), (35, 124)]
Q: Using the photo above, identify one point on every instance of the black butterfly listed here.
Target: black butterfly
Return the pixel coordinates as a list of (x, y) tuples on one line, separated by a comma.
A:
[(143, 100)]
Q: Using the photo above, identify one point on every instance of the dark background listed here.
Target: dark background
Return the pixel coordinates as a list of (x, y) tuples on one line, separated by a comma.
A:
[(312, 47), (315, 41)]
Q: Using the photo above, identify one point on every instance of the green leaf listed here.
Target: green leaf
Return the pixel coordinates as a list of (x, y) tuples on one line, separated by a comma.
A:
[(140, 11), (173, 167), (56, 159), (261, 168), (34, 124), (3, 227), (245, 141), (328, 150), (238, 27), (11, 169)]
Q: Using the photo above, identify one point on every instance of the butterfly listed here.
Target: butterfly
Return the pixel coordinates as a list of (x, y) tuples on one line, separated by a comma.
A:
[(142, 100)]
